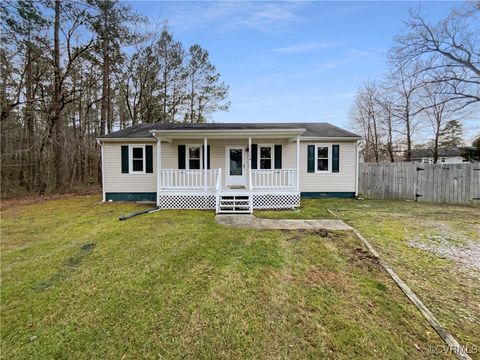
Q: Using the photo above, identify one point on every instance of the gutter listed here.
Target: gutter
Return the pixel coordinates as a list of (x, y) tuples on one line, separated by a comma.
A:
[(228, 134), (228, 131), (329, 138), (103, 175), (130, 139)]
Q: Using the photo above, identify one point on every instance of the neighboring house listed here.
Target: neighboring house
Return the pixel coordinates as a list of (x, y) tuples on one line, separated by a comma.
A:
[(235, 167), (446, 155)]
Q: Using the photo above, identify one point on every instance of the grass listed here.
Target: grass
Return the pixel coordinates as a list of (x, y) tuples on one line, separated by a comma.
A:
[(451, 291), (78, 283)]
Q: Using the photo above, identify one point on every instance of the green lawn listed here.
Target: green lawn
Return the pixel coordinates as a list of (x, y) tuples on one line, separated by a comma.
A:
[(449, 288), (79, 284)]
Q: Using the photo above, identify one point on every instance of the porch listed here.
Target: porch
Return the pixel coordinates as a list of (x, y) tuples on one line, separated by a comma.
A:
[(230, 174), (267, 189)]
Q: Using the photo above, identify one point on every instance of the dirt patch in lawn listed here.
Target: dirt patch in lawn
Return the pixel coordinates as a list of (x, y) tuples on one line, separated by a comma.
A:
[(361, 258)]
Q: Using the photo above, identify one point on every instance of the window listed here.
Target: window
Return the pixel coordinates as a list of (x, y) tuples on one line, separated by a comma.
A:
[(194, 157), (265, 160), (323, 158), (236, 161), (138, 159)]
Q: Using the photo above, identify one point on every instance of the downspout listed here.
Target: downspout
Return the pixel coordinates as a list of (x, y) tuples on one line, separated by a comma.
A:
[(103, 171), (356, 169), (158, 168)]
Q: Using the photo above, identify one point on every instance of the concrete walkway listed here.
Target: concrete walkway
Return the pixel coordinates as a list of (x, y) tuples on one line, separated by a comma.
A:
[(251, 221)]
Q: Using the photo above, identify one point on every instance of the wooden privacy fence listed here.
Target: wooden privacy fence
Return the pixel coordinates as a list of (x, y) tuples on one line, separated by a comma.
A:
[(443, 183)]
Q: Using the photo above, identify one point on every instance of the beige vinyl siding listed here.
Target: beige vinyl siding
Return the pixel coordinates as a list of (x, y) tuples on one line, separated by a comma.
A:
[(343, 181), (115, 181)]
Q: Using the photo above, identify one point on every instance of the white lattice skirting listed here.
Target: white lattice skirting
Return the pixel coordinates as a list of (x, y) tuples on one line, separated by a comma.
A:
[(276, 201), (187, 201), (260, 201)]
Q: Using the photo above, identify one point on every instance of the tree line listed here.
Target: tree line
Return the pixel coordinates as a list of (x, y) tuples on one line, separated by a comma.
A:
[(72, 71), (431, 86)]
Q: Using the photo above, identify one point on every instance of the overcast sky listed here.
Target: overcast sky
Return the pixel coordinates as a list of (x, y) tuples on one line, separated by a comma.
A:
[(291, 61)]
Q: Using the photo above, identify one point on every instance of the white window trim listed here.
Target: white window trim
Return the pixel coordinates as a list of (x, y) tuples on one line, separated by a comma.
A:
[(187, 156), (272, 148), (130, 160), (329, 171)]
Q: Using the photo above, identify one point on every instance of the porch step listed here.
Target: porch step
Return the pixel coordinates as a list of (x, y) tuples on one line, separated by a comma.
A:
[(231, 203)]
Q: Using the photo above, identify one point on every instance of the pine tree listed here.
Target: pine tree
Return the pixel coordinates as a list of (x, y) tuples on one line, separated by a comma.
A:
[(451, 134), (206, 93)]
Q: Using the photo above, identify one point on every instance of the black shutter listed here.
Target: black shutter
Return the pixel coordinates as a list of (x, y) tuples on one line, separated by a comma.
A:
[(208, 156), (335, 158), (181, 156), (124, 159), (278, 156), (311, 158), (148, 159), (254, 156)]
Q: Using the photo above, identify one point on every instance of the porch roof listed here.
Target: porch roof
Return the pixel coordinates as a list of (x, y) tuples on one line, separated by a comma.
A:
[(305, 130)]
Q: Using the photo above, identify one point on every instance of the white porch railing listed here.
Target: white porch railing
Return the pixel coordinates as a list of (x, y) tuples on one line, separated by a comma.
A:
[(175, 179), (274, 179)]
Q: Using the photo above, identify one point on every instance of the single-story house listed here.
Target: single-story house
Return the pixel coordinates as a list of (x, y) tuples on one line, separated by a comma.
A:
[(446, 155), (229, 167)]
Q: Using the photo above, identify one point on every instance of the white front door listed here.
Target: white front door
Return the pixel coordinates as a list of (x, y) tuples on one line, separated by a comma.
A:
[(236, 173)]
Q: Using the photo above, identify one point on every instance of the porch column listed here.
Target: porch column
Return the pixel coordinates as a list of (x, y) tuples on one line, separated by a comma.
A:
[(205, 159), (250, 163), (298, 163), (159, 167)]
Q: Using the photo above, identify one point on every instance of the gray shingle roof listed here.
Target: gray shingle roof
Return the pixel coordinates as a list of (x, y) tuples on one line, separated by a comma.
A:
[(442, 152), (311, 129)]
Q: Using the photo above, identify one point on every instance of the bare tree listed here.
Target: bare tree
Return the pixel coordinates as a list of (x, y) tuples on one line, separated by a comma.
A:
[(437, 110), (404, 84), (449, 49), (62, 92), (365, 116), (386, 104)]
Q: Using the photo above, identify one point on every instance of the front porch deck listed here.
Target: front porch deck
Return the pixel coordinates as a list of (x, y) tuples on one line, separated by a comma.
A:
[(204, 189)]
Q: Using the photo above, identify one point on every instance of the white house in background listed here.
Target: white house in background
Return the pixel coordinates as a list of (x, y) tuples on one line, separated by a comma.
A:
[(446, 155), (229, 167)]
